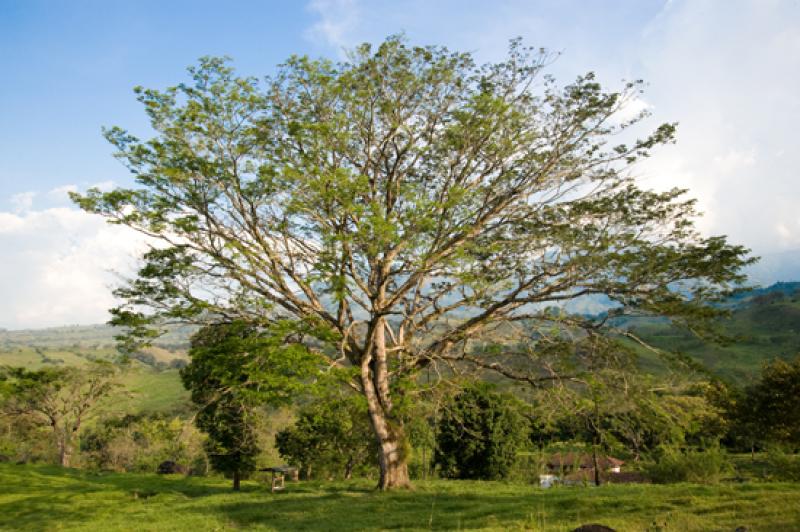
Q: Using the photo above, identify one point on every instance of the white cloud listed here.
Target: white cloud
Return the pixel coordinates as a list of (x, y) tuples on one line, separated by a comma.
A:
[(337, 21), (23, 201), (631, 109), (58, 266), (728, 73)]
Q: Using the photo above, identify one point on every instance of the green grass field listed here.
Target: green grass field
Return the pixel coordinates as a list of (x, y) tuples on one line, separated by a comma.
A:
[(49, 498), (152, 391)]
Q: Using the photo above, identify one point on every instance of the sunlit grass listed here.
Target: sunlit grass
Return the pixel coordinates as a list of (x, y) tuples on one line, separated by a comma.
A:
[(47, 498)]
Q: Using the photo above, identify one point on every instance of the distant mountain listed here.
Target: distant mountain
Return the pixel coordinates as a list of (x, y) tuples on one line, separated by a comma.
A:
[(765, 323), (78, 344), (87, 337), (151, 378)]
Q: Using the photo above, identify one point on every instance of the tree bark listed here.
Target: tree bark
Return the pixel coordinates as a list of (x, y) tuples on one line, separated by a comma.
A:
[(348, 469), (595, 465), (388, 431), (236, 481), (64, 454)]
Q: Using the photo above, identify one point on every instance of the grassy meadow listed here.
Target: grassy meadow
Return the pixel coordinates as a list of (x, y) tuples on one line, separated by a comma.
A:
[(50, 498)]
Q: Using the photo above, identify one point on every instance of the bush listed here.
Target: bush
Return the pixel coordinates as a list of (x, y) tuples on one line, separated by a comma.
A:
[(479, 435), (784, 466), (331, 438), (140, 443), (670, 464)]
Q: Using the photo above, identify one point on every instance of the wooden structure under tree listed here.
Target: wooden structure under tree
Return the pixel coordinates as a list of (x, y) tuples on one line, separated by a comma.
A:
[(279, 474)]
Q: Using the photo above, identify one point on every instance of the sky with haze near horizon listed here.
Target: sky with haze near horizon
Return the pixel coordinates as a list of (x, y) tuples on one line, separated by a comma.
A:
[(727, 71)]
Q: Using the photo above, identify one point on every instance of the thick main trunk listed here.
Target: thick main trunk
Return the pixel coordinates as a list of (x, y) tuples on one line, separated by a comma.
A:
[(64, 448), (394, 468), (388, 432), (64, 453), (236, 481)]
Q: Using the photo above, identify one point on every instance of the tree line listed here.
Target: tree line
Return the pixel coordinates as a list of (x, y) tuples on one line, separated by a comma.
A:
[(477, 430)]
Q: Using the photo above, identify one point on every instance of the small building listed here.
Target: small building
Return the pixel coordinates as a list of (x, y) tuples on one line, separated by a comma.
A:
[(578, 468), (561, 462)]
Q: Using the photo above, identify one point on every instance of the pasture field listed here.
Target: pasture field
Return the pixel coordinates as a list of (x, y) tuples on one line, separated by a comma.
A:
[(151, 391), (50, 498)]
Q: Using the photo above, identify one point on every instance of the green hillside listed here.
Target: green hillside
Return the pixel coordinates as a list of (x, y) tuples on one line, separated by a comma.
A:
[(150, 379), (764, 325)]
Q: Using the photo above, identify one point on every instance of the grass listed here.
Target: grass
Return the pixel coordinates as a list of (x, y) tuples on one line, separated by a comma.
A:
[(152, 391), (49, 498)]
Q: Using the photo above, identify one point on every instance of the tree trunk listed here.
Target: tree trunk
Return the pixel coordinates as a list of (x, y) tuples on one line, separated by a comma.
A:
[(595, 465), (236, 480), (348, 469), (388, 432), (64, 454), (596, 441)]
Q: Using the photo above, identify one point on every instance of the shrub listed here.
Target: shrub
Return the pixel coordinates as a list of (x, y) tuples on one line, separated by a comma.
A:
[(479, 435), (331, 438), (671, 464), (139, 443), (784, 466)]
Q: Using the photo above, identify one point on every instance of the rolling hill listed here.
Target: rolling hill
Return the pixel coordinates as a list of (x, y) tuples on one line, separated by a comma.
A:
[(765, 324), (150, 378)]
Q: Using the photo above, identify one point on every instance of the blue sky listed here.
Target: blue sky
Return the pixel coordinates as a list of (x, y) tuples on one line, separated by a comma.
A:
[(70, 66), (728, 71)]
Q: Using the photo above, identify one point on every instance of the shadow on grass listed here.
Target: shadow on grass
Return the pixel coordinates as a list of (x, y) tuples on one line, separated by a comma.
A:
[(45, 498), (447, 507), (102, 481)]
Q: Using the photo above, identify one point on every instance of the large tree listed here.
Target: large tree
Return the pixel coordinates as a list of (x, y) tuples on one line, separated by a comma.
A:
[(405, 207), (479, 434)]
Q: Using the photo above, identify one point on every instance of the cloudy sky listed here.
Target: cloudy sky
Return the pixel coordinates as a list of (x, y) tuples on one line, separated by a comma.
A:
[(728, 71)]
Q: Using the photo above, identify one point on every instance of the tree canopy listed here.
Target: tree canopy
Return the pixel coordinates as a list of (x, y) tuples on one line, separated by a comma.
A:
[(479, 434), (769, 409), (407, 208), (60, 398), (235, 368)]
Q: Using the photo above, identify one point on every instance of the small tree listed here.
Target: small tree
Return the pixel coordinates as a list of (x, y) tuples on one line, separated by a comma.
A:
[(770, 408), (235, 368), (406, 205), (479, 435), (60, 398)]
